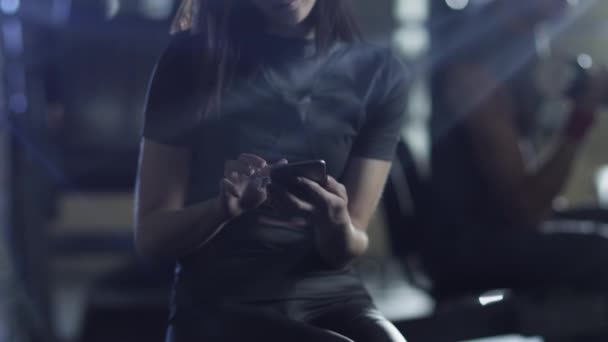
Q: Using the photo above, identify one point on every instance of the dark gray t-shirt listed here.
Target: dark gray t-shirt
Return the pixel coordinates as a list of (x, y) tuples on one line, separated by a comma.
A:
[(299, 105)]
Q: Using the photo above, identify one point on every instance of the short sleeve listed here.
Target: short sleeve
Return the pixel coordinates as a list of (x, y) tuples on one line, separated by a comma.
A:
[(171, 109), (385, 112)]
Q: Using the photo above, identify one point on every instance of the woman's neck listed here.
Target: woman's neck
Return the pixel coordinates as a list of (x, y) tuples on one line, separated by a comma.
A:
[(303, 31)]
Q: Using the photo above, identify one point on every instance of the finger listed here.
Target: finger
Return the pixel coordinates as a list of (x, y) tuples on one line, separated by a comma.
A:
[(336, 187), (285, 200), (253, 160), (263, 181), (320, 195), (328, 203), (229, 188), (237, 166), (253, 196), (259, 182), (255, 184), (234, 177), (299, 205)]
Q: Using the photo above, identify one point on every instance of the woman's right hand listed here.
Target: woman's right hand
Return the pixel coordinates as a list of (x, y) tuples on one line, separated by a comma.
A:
[(243, 187)]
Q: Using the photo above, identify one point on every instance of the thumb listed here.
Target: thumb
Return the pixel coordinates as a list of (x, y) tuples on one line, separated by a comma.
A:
[(253, 196)]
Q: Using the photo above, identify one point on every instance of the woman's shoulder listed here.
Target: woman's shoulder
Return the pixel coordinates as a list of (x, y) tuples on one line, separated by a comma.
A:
[(377, 57), (177, 59)]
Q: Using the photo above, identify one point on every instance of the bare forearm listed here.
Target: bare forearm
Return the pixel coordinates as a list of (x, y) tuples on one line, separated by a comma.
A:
[(547, 179), (342, 245), (174, 233)]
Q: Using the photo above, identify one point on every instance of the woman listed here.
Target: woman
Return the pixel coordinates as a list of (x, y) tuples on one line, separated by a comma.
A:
[(256, 83)]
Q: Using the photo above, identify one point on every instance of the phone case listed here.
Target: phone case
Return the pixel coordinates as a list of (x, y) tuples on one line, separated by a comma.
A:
[(287, 174)]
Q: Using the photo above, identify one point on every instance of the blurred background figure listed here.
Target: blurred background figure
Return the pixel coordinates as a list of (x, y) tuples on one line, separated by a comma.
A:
[(501, 158)]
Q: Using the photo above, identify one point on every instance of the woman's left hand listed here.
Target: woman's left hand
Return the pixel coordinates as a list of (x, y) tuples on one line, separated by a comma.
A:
[(329, 207), (337, 239), (326, 206)]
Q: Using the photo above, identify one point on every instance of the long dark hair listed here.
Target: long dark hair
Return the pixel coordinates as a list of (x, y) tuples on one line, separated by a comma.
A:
[(222, 26)]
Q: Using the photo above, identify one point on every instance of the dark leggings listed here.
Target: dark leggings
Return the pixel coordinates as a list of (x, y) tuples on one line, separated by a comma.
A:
[(349, 321)]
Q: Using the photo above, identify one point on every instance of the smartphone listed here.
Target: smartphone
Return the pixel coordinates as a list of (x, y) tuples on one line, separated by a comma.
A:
[(287, 174)]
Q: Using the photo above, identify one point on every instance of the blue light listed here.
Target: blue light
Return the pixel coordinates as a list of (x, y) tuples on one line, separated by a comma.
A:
[(457, 4), (12, 35), (584, 61), (17, 103), (60, 12), (9, 6)]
